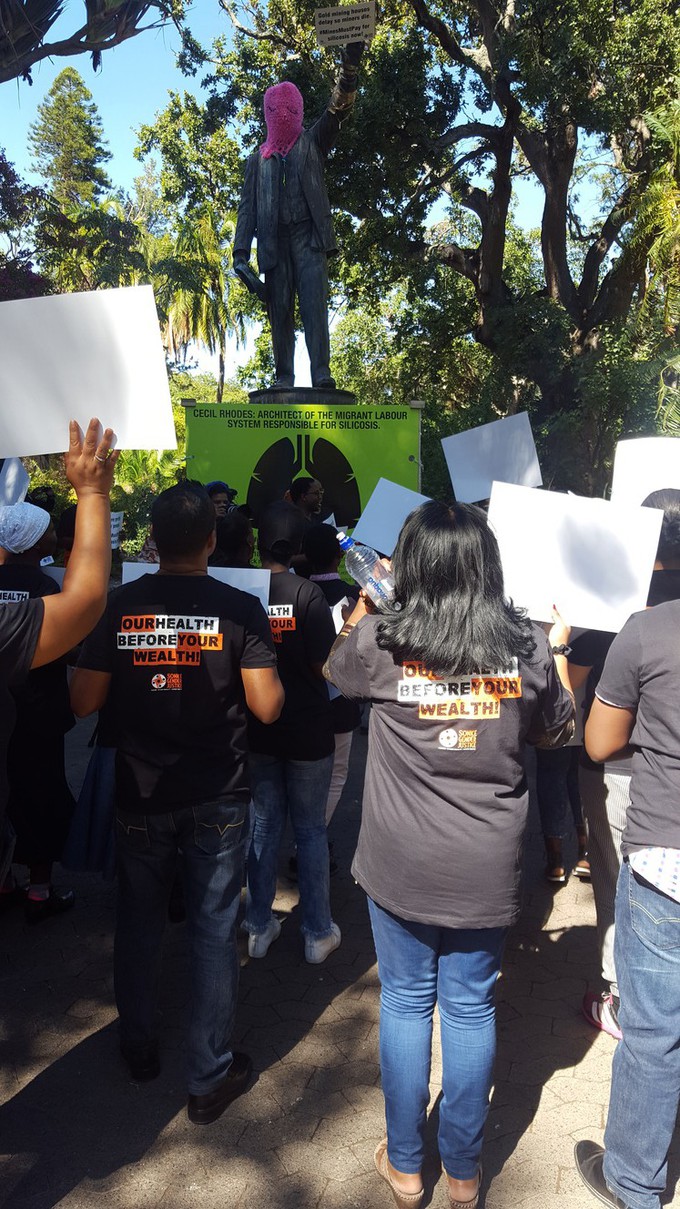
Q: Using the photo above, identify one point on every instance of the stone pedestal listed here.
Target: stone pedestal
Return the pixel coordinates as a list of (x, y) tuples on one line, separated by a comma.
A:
[(301, 396)]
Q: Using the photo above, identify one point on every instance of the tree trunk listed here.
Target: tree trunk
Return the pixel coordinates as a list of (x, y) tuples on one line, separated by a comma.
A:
[(220, 377)]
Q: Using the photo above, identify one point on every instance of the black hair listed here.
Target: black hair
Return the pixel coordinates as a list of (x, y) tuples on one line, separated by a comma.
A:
[(320, 546), (667, 499), (43, 497), (300, 487), (217, 487), (451, 613), (280, 531), (232, 549), (182, 517), (66, 528)]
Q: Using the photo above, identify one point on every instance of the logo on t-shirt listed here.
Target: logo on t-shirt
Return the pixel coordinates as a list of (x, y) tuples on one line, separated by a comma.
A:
[(172, 682), (281, 618), (448, 738), (477, 695), (464, 740)]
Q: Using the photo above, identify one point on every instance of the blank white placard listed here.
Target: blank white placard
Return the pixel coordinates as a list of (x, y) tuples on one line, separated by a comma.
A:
[(643, 465), (591, 558), (252, 580), (381, 520), (73, 356), (502, 451), (14, 482), (55, 573)]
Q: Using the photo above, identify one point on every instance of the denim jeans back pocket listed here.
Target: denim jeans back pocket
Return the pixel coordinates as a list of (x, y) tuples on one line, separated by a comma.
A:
[(655, 918), (132, 831), (219, 826)]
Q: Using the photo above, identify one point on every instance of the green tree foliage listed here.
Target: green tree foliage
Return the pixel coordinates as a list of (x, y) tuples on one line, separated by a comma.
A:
[(204, 306), (199, 177), (460, 103), (18, 278), (67, 141), (659, 218), (89, 247)]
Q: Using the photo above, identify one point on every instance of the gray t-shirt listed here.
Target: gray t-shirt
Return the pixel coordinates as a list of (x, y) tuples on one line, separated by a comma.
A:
[(445, 797), (642, 673)]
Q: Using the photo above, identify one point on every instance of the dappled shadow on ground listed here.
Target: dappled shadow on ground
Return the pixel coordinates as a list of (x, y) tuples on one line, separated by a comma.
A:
[(77, 1132)]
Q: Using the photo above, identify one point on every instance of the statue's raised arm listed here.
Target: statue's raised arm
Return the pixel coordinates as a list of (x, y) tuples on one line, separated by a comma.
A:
[(284, 203)]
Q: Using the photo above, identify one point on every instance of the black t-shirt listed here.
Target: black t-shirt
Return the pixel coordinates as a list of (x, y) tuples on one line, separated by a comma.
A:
[(303, 633), (642, 673), (346, 714), (591, 649), (20, 623), (42, 699), (445, 797), (175, 645)]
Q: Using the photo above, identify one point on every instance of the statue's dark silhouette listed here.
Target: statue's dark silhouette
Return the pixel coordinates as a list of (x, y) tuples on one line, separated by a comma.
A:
[(284, 203)]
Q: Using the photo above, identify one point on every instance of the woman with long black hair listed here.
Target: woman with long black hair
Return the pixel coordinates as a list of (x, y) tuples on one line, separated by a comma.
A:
[(460, 680)]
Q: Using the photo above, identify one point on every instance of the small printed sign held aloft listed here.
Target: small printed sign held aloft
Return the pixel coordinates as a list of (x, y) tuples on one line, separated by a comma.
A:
[(343, 23)]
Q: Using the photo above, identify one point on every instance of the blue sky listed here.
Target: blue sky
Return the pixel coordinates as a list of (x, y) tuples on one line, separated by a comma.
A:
[(130, 88)]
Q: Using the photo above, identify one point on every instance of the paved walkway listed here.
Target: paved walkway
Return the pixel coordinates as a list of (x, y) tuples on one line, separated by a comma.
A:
[(75, 1132)]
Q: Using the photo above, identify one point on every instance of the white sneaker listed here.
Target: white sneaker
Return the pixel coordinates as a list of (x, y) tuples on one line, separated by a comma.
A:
[(259, 942), (318, 949)]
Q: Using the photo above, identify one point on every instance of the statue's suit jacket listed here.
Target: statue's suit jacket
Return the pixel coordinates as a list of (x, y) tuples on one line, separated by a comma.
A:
[(258, 211)]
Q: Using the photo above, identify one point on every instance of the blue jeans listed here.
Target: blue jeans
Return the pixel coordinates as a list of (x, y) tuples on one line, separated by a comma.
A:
[(557, 789), (301, 787), (646, 1071), (420, 965), (211, 842)]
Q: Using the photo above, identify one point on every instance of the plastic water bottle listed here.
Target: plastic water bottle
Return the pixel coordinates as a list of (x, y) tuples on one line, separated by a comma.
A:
[(365, 567)]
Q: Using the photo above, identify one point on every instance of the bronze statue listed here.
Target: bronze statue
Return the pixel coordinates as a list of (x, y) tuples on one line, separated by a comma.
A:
[(285, 204)]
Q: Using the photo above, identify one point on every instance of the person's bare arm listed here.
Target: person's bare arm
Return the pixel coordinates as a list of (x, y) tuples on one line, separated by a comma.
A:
[(608, 731), (558, 635), (264, 692), (88, 690), (578, 675), (69, 616)]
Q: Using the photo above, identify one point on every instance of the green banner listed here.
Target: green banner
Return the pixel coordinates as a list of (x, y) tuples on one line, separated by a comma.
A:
[(260, 450)]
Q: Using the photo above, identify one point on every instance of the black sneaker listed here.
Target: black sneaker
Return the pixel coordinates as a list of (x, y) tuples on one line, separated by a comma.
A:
[(39, 909), (202, 1110), (12, 898), (143, 1063)]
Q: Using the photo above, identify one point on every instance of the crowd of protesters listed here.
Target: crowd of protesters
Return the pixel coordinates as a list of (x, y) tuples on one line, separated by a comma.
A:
[(220, 722)]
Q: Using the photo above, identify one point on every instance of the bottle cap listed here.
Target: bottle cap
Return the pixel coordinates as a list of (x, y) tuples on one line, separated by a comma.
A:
[(346, 542)]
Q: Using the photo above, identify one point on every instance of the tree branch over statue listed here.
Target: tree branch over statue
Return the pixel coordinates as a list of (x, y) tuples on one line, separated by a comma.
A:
[(24, 25)]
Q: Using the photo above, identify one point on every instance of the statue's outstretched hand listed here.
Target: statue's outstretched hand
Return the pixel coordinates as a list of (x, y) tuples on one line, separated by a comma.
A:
[(351, 54)]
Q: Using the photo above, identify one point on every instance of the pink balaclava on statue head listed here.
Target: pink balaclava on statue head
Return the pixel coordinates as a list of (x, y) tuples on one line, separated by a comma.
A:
[(283, 112)]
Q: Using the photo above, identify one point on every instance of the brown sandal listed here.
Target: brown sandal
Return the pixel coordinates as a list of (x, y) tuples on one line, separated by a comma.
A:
[(472, 1202), (404, 1200)]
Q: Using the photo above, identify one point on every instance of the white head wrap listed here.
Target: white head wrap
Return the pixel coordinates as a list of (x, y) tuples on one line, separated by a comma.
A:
[(22, 526)]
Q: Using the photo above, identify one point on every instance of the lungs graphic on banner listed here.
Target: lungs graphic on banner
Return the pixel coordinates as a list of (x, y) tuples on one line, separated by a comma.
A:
[(260, 450)]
